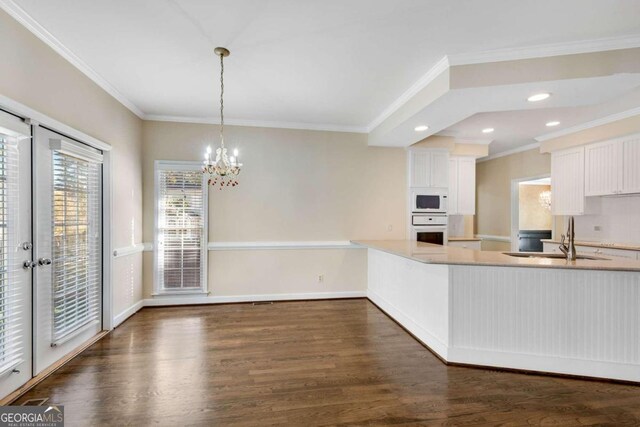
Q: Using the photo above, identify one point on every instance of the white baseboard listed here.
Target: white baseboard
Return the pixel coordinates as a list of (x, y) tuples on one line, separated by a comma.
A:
[(550, 364), (118, 319), (187, 300)]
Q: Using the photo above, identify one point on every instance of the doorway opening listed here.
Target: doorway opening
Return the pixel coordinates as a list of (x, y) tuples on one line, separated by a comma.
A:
[(531, 219)]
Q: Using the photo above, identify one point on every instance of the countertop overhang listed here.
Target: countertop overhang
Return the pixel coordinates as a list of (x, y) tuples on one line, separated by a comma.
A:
[(450, 255)]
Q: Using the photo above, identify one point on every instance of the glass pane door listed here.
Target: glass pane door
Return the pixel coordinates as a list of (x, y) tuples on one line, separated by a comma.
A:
[(68, 290), (15, 260)]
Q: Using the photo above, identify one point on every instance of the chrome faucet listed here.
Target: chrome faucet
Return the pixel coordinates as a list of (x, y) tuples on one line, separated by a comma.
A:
[(569, 249)]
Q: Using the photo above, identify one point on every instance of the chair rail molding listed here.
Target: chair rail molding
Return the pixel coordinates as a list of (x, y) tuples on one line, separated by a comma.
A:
[(493, 238), (270, 245), (129, 250)]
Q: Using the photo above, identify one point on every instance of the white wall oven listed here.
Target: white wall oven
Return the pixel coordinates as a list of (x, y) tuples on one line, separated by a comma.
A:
[(429, 228), (428, 200)]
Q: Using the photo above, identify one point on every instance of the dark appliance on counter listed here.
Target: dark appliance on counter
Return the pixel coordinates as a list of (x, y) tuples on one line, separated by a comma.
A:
[(531, 240)]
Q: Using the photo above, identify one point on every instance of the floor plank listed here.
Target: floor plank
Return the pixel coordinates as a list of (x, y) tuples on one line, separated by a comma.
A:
[(340, 362)]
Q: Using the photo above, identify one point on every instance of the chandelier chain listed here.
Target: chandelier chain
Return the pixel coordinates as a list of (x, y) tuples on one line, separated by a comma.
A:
[(222, 169), (222, 100)]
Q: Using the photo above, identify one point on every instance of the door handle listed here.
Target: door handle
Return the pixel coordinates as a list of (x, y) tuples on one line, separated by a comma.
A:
[(44, 261), (28, 265)]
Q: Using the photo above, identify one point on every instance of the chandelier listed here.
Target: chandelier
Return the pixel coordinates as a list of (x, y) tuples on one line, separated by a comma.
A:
[(224, 169), (545, 199)]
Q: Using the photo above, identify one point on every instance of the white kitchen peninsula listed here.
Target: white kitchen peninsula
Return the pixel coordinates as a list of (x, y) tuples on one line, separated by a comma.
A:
[(486, 308)]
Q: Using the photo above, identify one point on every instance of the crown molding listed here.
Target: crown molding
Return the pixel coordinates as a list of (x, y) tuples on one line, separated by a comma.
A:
[(428, 77), (510, 152), (547, 50), (39, 31), (589, 125), (257, 123)]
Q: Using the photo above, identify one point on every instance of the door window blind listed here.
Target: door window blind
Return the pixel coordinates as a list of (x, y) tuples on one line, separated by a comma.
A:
[(180, 234), (12, 303), (77, 243)]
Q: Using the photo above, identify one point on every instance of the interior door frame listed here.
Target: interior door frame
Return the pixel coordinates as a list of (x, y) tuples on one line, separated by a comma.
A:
[(35, 118), (515, 209)]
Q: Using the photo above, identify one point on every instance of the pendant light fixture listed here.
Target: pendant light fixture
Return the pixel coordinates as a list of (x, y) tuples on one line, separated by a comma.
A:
[(224, 169)]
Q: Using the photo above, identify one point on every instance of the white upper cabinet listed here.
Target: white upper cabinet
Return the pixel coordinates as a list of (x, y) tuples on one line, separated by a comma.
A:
[(567, 182), (462, 186), (613, 167), (452, 200), (439, 169), (603, 168), (631, 165), (428, 168), (466, 186), (420, 165)]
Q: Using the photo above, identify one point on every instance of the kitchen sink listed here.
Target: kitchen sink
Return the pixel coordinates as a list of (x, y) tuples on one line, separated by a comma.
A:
[(551, 255)]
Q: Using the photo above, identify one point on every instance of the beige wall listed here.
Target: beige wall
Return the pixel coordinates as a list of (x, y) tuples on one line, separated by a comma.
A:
[(34, 75), (584, 65), (493, 200), (532, 215), (296, 185), (627, 126)]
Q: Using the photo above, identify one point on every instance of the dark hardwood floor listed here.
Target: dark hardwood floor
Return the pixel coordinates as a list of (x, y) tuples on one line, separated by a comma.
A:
[(301, 364)]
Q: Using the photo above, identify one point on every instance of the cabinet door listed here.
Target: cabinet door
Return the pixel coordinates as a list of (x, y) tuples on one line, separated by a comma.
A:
[(567, 182), (452, 203), (420, 168), (466, 186), (439, 169), (602, 168), (631, 165)]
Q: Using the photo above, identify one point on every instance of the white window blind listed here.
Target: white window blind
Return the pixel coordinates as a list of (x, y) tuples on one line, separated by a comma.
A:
[(180, 228), (12, 303), (77, 242)]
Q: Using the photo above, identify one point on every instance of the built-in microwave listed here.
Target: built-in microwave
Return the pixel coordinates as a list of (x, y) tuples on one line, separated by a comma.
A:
[(428, 200)]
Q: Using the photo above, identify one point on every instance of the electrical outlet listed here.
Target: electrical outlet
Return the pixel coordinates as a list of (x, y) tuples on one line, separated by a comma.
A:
[(390, 227), (597, 228), (320, 278)]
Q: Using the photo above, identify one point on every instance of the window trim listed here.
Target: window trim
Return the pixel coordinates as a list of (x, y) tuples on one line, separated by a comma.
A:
[(163, 165)]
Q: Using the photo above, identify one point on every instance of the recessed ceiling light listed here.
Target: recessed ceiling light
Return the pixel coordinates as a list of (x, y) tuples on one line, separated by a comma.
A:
[(421, 128), (538, 97), (487, 130), (553, 123)]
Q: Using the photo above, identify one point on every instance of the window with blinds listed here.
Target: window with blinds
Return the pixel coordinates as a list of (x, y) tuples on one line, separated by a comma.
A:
[(181, 211), (12, 303), (77, 243)]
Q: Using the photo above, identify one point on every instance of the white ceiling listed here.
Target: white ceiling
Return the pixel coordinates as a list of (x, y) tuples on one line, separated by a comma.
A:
[(330, 63)]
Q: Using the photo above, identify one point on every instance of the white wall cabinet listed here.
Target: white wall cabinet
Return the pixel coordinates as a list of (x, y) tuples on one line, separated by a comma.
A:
[(631, 165), (603, 168), (613, 167), (428, 168), (462, 186), (567, 182)]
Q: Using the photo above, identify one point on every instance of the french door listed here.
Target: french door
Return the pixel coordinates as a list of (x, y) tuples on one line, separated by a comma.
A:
[(15, 254), (68, 245), (50, 248)]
